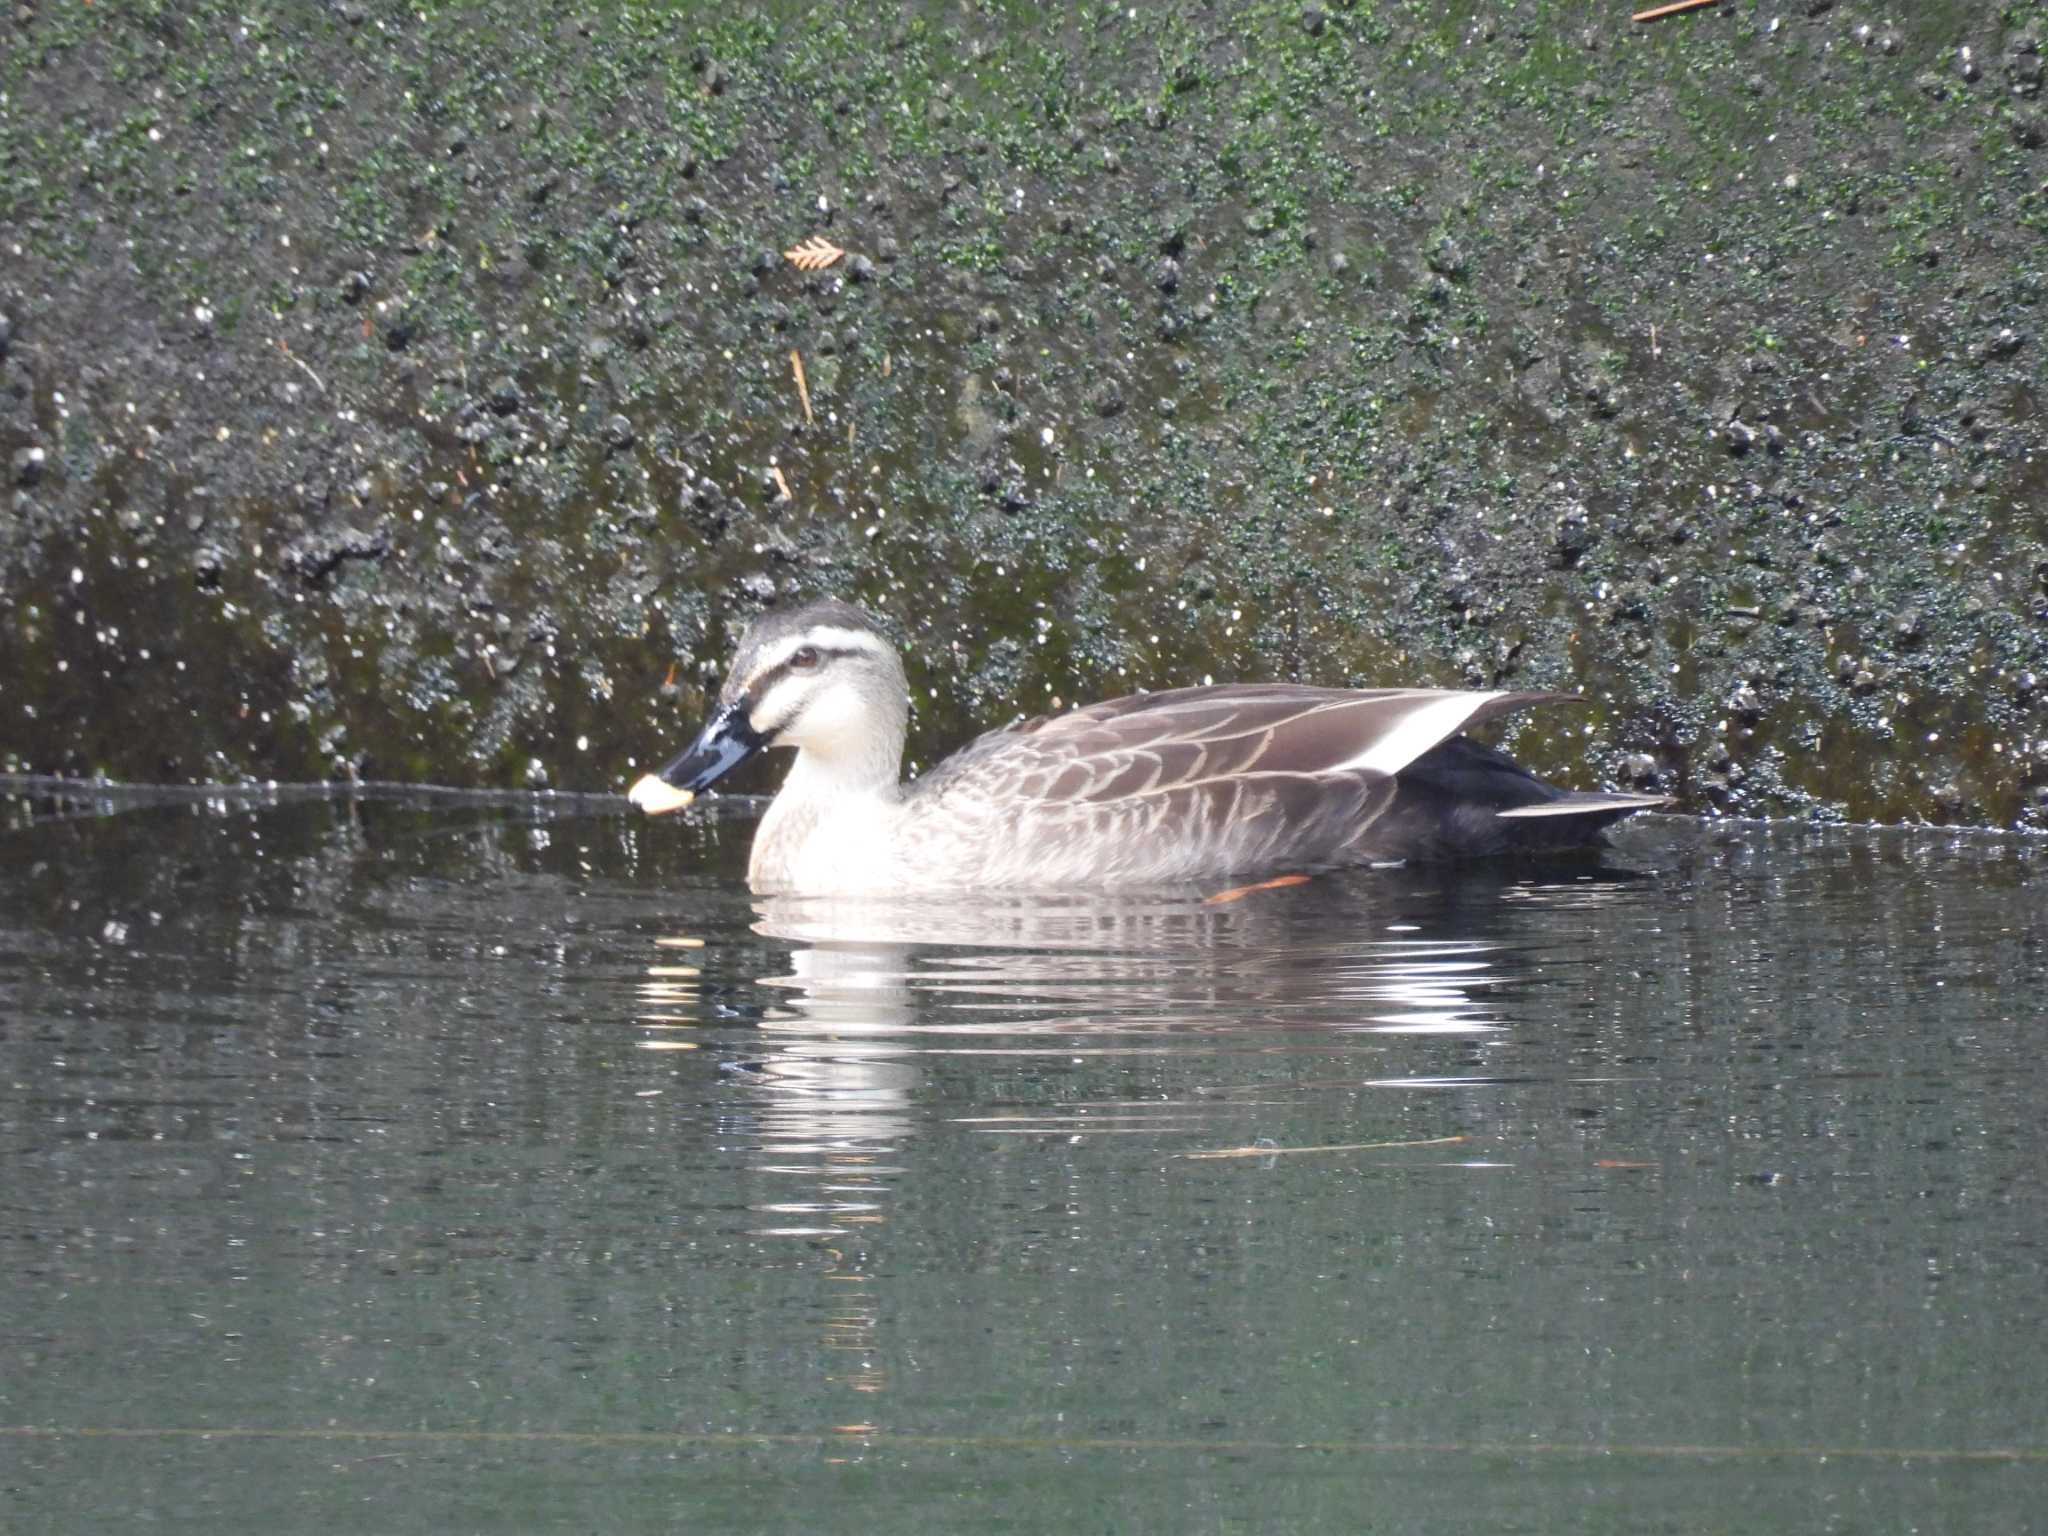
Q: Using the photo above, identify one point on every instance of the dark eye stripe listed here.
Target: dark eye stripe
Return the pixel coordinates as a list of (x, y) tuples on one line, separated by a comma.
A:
[(758, 689)]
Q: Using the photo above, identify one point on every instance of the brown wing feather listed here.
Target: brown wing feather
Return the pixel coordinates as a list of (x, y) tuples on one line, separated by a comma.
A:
[(1194, 781), (1153, 742)]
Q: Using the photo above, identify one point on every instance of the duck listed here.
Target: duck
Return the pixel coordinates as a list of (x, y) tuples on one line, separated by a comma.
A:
[(1163, 788)]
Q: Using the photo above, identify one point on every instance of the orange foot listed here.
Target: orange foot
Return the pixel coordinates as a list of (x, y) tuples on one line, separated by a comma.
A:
[(1278, 882)]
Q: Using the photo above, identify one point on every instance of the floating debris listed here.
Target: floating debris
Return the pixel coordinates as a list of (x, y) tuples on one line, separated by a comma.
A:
[(1348, 1146)]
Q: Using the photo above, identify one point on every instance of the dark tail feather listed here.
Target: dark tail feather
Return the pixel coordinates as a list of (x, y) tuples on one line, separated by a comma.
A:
[(1464, 800)]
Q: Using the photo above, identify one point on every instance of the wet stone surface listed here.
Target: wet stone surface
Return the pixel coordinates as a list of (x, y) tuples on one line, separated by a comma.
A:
[(400, 393)]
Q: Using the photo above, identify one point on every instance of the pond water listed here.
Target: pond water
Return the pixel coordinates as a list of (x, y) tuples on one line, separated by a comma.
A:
[(418, 1163)]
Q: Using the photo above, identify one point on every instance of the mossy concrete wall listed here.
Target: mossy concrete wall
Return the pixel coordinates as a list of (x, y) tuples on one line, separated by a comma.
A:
[(407, 391)]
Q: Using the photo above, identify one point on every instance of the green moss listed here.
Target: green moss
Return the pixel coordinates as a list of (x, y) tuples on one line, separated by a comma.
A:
[(1522, 212)]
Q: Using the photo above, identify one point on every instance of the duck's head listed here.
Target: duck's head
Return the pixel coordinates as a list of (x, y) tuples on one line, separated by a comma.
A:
[(823, 679)]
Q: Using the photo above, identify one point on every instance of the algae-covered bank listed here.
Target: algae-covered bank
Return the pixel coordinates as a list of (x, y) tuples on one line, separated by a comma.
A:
[(420, 391)]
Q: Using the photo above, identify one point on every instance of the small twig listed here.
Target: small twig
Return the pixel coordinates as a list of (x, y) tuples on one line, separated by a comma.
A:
[(287, 351), (803, 390), (1659, 12), (1349, 1146), (787, 493)]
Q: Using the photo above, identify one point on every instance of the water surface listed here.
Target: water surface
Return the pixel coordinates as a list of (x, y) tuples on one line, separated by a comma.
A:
[(421, 1164)]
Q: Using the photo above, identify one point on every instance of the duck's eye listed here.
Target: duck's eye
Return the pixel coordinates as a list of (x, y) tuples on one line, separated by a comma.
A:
[(804, 658)]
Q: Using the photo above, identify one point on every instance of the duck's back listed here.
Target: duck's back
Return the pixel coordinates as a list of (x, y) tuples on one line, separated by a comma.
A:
[(1203, 782)]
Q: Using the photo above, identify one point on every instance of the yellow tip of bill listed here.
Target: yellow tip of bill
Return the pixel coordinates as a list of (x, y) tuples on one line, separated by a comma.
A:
[(657, 797)]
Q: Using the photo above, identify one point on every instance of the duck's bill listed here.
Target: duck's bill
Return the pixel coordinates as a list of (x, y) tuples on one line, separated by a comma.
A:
[(726, 742), (657, 798)]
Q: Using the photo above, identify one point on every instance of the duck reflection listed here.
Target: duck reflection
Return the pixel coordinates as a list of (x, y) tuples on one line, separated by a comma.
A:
[(878, 993), (1386, 981), (834, 1092), (1117, 975)]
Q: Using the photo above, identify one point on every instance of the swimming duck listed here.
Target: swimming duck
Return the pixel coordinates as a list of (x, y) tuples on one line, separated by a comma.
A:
[(1185, 784)]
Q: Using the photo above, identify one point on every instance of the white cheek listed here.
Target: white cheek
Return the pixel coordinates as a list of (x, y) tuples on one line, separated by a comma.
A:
[(831, 721), (775, 708)]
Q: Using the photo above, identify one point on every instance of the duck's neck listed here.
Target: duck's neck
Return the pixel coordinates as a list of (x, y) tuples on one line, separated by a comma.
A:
[(832, 820), (849, 743), (836, 813), (843, 772)]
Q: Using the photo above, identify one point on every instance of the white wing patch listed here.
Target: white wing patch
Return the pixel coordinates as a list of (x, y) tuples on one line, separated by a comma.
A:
[(1419, 729), (1585, 806)]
